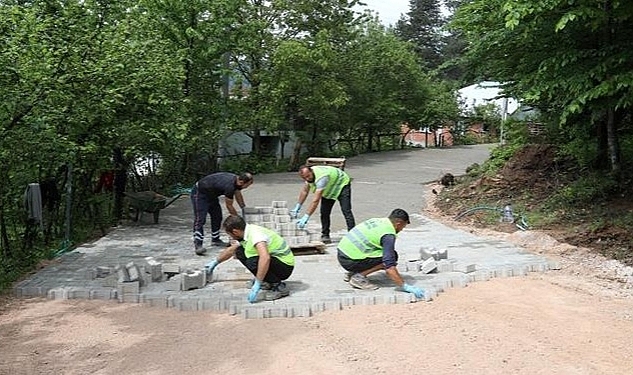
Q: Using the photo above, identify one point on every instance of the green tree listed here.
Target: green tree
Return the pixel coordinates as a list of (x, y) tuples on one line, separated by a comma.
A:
[(422, 27), (388, 86), (569, 58)]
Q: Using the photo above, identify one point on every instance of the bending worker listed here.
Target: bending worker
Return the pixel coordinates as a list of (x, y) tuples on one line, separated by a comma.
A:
[(329, 184), (263, 252), (370, 247), (204, 198)]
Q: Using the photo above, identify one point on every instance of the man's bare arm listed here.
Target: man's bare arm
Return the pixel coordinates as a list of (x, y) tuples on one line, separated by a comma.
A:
[(229, 206), (315, 202)]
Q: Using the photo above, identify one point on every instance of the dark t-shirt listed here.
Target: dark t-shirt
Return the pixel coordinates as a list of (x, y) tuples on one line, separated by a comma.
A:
[(217, 184)]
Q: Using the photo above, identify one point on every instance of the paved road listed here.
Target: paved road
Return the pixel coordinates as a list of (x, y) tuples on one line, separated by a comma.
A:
[(382, 181)]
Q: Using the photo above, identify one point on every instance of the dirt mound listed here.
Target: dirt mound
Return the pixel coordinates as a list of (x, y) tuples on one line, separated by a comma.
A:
[(527, 181), (530, 166)]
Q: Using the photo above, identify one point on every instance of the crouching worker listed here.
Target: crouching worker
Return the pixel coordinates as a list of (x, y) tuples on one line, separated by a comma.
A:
[(264, 252), (370, 247)]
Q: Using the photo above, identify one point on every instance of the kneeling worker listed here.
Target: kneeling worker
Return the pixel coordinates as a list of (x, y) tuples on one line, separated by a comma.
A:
[(370, 247), (264, 252)]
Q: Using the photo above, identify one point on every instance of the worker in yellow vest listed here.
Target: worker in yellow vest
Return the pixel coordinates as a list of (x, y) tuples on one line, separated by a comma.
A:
[(263, 252), (370, 247), (329, 184)]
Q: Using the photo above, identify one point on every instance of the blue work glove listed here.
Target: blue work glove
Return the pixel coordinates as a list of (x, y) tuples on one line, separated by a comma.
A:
[(209, 267), (294, 213), (252, 296), (301, 224), (418, 292)]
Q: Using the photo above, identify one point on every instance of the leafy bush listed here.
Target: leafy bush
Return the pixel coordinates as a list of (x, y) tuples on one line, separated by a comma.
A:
[(587, 189), (498, 158)]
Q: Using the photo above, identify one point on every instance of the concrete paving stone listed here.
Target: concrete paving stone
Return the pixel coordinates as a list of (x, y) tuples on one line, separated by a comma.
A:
[(153, 300), (102, 294), (332, 304), (316, 284), (129, 298), (479, 275), (465, 268), (301, 311), (171, 268), (553, 265), (429, 265), (253, 313), (78, 293), (123, 274), (130, 287), (185, 303), (174, 283), (55, 294), (134, 271)]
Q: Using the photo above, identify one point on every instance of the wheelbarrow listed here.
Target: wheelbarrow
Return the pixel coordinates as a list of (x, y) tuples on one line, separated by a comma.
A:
[(149, 201)]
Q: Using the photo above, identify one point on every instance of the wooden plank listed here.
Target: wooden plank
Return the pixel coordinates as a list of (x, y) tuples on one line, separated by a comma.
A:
[(314, 247), (333, 162)]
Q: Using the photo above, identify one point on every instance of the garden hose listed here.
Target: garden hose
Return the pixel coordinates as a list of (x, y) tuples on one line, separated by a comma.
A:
[(521, 224)]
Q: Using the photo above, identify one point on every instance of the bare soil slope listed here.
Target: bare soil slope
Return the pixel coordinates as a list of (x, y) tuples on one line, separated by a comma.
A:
[(529, 178)]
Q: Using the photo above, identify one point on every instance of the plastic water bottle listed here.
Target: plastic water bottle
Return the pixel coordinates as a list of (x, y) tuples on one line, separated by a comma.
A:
[(508, 215)]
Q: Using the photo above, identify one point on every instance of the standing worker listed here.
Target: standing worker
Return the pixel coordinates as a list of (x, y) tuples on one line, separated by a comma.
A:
[(329, 184), (370, 247), (204, 198), (263, 252)]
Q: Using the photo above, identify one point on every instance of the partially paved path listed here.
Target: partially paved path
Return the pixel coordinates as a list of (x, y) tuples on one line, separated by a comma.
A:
[(382, 182)]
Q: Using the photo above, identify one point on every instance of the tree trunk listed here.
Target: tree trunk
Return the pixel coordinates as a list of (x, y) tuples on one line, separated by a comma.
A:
[(613, 145), (4, 237), (257, 142), (296, 154), (602, 158), (403, 138), (120, 181)]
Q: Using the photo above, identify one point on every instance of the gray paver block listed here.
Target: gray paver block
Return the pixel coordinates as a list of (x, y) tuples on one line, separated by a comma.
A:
[(413, 266), (129, 298), (155, 269), (171, 268), (444, 265), (154, 300), (186, 304), (428, 266), (130, 287), (122, 273), (193, 280), (133, 271), (465, 268), (174, 283)]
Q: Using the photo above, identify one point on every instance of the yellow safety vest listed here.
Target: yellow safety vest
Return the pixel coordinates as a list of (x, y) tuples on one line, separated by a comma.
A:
[(277, 246), (363, 241), (338, 179)]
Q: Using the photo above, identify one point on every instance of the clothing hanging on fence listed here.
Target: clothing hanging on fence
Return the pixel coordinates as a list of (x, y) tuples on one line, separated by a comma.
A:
[(33, 203)]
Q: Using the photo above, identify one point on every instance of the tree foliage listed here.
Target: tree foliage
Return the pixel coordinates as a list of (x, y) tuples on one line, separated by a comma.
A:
[(91, 87), (571, 58)]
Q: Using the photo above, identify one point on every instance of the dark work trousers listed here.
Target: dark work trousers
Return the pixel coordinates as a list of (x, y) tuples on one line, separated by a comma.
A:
[(345, 200), (204, 205), (277, 270)]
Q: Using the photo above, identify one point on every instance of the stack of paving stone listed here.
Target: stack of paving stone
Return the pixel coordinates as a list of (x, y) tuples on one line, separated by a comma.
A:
[(277, 217)]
